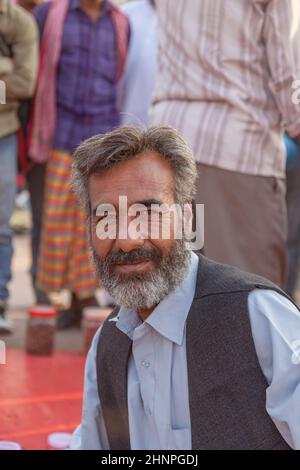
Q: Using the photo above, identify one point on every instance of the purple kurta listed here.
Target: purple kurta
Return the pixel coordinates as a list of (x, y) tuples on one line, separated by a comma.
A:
[(86, 76)]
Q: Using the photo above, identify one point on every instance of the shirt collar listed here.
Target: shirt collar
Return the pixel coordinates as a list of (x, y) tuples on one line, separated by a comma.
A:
[(169, 317), (127, 321)]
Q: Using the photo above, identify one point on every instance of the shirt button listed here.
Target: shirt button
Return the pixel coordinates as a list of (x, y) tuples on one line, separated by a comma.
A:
[(146, 364), (148, 410)]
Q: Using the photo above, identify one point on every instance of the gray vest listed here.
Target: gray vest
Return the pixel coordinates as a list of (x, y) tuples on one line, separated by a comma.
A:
[(227, 389)]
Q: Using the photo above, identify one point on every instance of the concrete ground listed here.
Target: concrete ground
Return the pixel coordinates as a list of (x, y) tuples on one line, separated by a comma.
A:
[(21, 298)]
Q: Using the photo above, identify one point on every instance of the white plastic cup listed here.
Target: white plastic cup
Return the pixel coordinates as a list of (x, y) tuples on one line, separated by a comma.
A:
[(9, 445), (59, 440)]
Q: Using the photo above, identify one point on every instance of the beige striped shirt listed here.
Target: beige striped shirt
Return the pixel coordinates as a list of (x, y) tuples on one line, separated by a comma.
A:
[(225, 75)]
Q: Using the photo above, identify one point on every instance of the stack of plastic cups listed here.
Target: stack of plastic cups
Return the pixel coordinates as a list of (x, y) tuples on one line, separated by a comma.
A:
[(59, 441), (9, 445)]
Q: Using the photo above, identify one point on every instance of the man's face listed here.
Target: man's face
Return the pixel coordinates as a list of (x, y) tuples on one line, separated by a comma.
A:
[(136, 268)]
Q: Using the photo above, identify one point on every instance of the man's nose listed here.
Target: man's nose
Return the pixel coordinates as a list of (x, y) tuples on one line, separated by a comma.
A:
[(128, 240)]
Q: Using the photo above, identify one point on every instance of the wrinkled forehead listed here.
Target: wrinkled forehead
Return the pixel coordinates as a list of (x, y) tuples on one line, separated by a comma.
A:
[(144, 178)]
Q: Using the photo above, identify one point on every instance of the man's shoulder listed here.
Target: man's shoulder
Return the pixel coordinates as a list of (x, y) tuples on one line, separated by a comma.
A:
[(20, 15), (218, 278), (22, 23)]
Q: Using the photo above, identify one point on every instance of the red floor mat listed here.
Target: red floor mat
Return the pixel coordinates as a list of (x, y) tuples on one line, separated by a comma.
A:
[(39, 395)]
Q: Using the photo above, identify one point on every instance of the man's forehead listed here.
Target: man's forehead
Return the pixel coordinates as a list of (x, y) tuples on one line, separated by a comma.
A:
[(134, 179), (128, 181), (146, 196)]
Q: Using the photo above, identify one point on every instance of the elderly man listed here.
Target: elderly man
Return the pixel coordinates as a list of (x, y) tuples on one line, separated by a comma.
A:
[(197, 355), (18, 67)]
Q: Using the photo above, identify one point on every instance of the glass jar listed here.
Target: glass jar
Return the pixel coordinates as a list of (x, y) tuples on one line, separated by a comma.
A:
[(93, 317), (41, 329)]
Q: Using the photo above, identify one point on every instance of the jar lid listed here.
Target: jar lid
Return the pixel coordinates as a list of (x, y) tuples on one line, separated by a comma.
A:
[(42, 311), (96, 313), (59, 440), (9, 445)]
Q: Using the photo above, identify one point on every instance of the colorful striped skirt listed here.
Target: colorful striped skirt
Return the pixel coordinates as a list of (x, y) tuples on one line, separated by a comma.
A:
[(64, 260)]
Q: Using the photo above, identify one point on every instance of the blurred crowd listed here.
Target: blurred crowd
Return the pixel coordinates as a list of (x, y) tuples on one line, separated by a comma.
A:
[(221, 73)]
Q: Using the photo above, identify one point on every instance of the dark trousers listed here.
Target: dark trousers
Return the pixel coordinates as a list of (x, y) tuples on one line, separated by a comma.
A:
[(245, 221), (293, 209), (36, 178)]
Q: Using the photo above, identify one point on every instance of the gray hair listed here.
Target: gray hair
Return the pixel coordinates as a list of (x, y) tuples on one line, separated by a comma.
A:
[(99, 153)]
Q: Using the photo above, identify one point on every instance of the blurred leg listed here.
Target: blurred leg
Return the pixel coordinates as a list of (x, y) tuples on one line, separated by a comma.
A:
[(293, 208), (36, 179), (8, 158)]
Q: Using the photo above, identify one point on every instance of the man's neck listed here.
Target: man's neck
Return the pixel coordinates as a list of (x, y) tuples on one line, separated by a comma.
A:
[(92, 8), (145, 313)]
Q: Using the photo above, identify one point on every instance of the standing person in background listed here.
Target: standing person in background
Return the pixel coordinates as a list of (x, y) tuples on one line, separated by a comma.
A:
[(141, 62), (83, 51), (35, 177), (225, 79), (293, 210), (18, 67)]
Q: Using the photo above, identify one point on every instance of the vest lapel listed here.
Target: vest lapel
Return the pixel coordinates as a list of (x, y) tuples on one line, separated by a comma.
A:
[(112, 365)]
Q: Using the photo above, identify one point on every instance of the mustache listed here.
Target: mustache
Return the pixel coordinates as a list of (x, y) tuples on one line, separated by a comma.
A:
[(138, 255)]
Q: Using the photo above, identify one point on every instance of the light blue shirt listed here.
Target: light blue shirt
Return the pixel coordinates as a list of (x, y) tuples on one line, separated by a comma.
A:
[(158, 397)]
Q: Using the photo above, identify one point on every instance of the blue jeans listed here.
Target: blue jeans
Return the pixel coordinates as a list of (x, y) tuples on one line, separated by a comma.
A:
[(8, 171)]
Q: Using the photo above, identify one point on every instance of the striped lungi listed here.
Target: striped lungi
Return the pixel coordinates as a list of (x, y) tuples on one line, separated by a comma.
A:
[(64, 261)]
